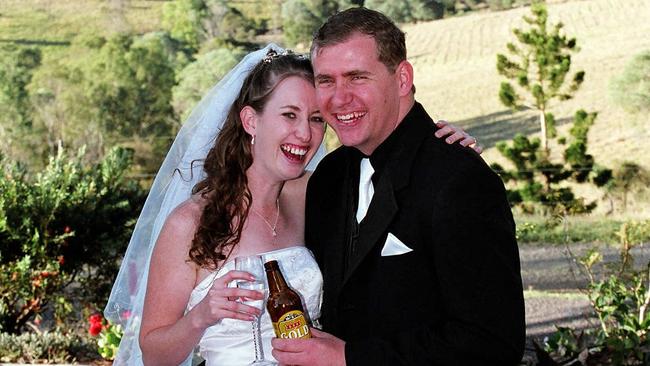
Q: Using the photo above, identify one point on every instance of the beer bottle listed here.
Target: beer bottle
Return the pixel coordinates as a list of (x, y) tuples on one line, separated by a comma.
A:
[(284, 306)]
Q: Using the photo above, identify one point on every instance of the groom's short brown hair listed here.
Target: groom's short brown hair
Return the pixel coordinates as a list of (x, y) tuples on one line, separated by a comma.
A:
[(390, 40)]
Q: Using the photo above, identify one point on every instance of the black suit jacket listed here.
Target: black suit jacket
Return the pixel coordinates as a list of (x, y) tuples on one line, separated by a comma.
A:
[(456, 299)]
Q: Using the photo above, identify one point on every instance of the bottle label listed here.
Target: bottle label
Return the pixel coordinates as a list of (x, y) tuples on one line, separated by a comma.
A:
[(292, 324)]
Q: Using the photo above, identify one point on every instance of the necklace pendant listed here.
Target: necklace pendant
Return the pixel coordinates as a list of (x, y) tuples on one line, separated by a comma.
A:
[(277, 216)]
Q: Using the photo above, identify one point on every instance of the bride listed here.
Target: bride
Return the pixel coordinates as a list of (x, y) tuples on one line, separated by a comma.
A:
[(233, 184)]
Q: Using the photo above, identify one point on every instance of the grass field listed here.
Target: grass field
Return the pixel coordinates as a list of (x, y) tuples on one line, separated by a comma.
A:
[(454, 62), (56, 22), (456, 76)]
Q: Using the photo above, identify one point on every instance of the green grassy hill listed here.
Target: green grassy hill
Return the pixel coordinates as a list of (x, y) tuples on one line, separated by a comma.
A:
[(56, 22)]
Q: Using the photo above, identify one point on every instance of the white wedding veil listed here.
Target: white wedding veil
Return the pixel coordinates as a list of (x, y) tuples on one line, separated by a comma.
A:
[(180, 171)]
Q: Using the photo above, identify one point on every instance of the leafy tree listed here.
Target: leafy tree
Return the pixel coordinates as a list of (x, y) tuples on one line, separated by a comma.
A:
[(197, 22), (299, 21), (631, 89), (128, 92), (411, 10), (63, 113), (182, 19), (16, 69), (55, 90), (542, 61), (627, 178), (300, 18), (263, 15), (130, 85), (17, 66), (197, 77), (226, 24), (68, 223)]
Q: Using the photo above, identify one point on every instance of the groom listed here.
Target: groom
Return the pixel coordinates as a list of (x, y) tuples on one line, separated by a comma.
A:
[(428, 273)]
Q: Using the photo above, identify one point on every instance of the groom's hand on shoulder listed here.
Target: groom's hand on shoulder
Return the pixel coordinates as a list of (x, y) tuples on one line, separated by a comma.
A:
[(322, 349)]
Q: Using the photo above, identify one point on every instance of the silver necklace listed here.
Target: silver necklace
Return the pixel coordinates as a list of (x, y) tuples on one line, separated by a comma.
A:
[(277, 216)]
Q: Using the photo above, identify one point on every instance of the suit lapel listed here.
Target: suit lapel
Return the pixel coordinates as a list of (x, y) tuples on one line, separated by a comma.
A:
[(384, 206), (380, 213)]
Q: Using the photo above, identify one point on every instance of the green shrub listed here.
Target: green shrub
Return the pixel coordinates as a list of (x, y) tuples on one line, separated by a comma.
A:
[(627, 178), (52, 347), (62, 234), (631, 89), (620, 300), (500, 4), (109, 341), (538, 229)]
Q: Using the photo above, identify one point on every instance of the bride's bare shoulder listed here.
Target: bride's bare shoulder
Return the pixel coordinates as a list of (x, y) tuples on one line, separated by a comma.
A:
[(187, 214)]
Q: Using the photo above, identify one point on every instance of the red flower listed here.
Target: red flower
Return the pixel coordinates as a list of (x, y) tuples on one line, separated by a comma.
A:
[(125, 314), (95, 329), (95, 324), (61, 259), (95, 318), (67, 229)]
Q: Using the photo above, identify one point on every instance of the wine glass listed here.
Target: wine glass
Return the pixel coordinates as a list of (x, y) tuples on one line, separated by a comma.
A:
[(253, 265)]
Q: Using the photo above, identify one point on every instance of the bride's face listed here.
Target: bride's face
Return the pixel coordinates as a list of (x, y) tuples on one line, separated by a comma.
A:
[(288, 131)]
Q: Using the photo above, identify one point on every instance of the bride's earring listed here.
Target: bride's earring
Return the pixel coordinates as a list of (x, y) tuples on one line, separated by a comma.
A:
[(253, 140)]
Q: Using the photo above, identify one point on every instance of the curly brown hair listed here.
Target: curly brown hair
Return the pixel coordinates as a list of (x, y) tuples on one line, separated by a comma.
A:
[(225, 187)]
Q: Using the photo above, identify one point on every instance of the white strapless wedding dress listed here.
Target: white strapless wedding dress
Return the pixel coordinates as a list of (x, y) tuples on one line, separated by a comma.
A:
[(230, 342)]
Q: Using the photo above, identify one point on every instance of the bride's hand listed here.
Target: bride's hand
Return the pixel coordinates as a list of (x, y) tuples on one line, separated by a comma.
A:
[(455, 133), (221, 300)]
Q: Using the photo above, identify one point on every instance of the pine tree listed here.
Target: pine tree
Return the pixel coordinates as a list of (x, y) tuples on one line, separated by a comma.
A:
[(542, 61), (538, 180)]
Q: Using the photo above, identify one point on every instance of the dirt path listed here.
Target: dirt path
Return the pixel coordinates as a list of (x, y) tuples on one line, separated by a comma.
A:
[(549, 268)]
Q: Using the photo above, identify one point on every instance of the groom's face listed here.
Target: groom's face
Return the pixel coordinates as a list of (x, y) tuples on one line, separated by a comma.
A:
[(357, 94)]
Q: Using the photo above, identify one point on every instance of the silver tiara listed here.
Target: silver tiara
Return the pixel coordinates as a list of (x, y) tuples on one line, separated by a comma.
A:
[(272, 55)]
